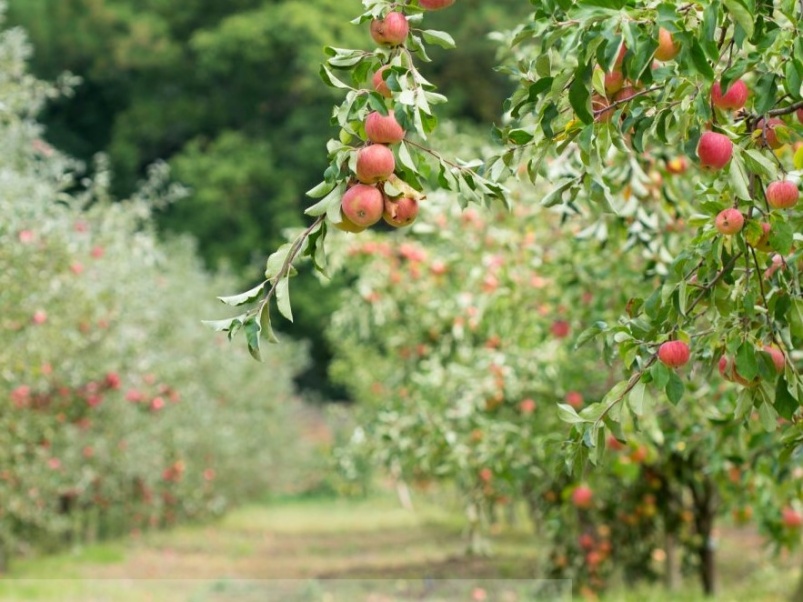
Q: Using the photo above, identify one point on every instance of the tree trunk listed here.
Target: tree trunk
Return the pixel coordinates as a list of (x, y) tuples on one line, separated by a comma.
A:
[(797, 595), (704, 495), (672, 566)]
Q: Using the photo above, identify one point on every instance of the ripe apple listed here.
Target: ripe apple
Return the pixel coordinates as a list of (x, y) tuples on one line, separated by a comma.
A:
[(625, 94), (674, 353), (574, 399), (362, 205), (434, 4), (730, 221), (799, 114), (380, 85), (400, 212), (777, 356), (383, 129), (782, 194), (582, 497), (390, 31), (560, 329), (667, 48), (486, 474), (375, 163), (768, 137), (734, 99), (620, 58), (527, 406), (714, 150), (614, 81), (586, 541), (599, 106), (791, 518)]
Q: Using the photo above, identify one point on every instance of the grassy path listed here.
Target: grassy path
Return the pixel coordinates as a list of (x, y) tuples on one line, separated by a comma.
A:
[(240, 556)]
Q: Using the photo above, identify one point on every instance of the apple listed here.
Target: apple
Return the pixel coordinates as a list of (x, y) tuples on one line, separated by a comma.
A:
[(799, 114), (574, 399), (777, 356), (582, 497), (614, 81), (390, 31), (375, 163), (380, 85), (560, 329), (362, 205), (586, 541), (527, 406), (674, 353), (791, 518), (486, 474), (667, 48), (782, 194), (434, 4), (678, 165), (729, 221), (625, 94), (620, 58), (383, 129), (599, 106), (39, 316), (735, 97), (714, 150), (768, 136), (614, 444), (400, 212)]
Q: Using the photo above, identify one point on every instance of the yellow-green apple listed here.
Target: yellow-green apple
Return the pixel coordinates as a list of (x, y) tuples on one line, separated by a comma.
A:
[(667, 48)]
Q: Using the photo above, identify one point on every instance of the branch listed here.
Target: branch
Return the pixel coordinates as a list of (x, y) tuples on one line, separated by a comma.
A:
[(786, 110)]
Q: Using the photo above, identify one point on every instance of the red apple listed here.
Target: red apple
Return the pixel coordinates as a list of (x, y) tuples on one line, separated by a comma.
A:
[(791, 518), (674, 353), (383, 129), (362, 205), (560, 329), (714, 150), (768, 137), (727, 368), (434, 4), (586, 541), (599, 105), (625, 94), (400, 212), (486, 474), (777, 356), (39, 316), (799, 114), (390, 31), (667, 48), (782, 194), (574, 399), (527, 406), (614, 82), (380, 85), (375, 163), (730, 221), (582, 497), (734, 99)]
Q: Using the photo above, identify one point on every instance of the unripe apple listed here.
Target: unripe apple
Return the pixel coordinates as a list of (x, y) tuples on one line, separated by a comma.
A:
[(768, 136), (434, 4), (730, 221), (582, 496), (383, 128), (614, 81), (782, 194), (714, 150), (390, 31), (791, 518), (400, 212), (777, 356), (667, 49), (346, 225), (674, 353), (375, 163), (734, 99), (362, 205), (380, 85)]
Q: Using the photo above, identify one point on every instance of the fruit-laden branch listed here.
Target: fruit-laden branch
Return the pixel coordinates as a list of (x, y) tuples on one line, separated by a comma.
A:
[(786, 110)]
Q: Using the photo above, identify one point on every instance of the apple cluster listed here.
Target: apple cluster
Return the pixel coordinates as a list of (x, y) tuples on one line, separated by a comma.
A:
[(376, 193)]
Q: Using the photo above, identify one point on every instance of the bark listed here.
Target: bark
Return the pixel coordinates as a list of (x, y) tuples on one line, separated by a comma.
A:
[(797, 595)]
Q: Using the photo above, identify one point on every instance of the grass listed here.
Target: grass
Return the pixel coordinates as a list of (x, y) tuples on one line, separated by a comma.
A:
[(247, 555)]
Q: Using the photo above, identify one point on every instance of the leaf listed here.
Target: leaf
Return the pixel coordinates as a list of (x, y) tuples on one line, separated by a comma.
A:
[(223, 325), (439, 38), (796, 318), (246, 297), (660, 374), (589, 333), (326, 202), (746, 364), (568, 414), (700, 62), (636, 398), (554, 197), (579, 97), (738, 178), (741, 15), (781, 237), (283, 298), (267, 328), (276, 261), (674, 388), (252, 329), (785, 404), (330, 80)]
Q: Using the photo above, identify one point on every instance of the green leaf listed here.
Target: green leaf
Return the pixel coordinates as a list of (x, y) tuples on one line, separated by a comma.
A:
[(785, 404), (326, 202), (674, 388), (589, 333), (568, 414), (781, 236), (276, 261), (246, 297), (660, 374), (330, 80), (252, 329), (283, 298), (746, 363), (439, 38), (700, 62), (741, 15), (796, 318), (267, 328), (636, 398), (223, 325), (738, 178), (554, 197), (579, 98)]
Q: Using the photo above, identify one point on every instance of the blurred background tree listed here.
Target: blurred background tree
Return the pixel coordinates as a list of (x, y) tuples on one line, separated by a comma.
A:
[(228, 93)]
